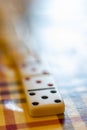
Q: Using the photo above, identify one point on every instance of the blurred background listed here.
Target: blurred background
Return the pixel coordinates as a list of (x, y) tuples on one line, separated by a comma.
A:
[(57, 30)]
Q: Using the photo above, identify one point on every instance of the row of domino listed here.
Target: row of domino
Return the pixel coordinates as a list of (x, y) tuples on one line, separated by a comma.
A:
[(41, 91), (43, 97), (42, 94)]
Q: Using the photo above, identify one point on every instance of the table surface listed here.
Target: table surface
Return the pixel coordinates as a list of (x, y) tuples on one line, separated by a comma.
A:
[(59, 29)]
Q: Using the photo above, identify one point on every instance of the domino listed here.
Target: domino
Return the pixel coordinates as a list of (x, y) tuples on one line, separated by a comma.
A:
[(42, 96), (41, 92), (34, 68)]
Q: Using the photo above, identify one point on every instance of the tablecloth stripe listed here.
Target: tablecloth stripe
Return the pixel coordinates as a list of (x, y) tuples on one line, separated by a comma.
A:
[(6, 92), (22, 100), (11, 84), (9, 115), (30, 124), (78, 102)]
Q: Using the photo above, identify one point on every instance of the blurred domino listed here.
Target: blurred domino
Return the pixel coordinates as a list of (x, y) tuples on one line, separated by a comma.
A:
[(43, 96), (34, 68), (41, 92)]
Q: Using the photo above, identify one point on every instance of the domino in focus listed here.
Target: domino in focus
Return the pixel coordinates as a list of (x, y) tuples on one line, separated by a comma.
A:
[(43, 96)]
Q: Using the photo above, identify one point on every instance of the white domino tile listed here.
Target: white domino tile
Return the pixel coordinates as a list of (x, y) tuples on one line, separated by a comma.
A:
[(43, 96), (45, 102), (34, 68), (39, 82), (48, 96)]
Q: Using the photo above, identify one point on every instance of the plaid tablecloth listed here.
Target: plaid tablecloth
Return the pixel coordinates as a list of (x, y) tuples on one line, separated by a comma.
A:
[(14, 113)]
